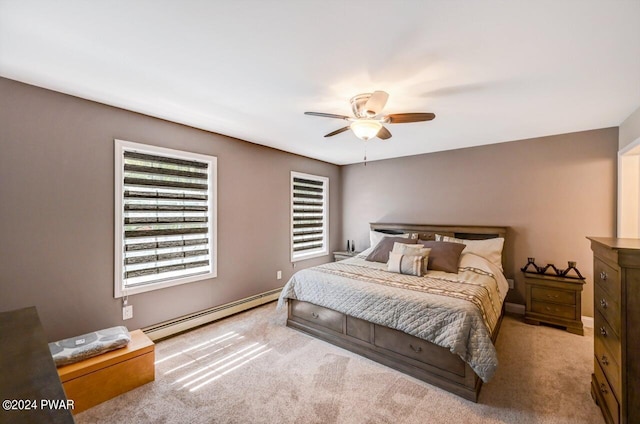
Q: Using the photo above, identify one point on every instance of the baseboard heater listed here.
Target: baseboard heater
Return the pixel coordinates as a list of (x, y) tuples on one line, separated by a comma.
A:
[(187, 322)]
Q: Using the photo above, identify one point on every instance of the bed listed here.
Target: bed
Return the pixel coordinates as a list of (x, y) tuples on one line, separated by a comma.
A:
[(440, 327)]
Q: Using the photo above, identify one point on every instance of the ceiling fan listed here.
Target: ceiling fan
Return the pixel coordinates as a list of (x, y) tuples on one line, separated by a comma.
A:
[(368, 120)]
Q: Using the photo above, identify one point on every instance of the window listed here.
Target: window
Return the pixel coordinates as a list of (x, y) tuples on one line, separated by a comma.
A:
[(309, 216), (165, 217)]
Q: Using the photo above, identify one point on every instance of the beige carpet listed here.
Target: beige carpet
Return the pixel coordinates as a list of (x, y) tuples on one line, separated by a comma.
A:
[(250, 368)]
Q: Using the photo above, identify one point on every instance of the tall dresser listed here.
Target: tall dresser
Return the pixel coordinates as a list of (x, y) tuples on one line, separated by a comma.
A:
[(615, 383)]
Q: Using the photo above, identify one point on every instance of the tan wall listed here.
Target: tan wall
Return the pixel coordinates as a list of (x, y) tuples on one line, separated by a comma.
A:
[(629, 130), (56, 212), (551, 192)]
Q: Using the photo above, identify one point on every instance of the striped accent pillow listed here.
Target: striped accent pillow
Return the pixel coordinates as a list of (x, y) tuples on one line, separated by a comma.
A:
[(405, 264), (413, 250)]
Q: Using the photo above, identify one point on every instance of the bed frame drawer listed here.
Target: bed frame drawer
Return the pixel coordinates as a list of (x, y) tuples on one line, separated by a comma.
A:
[(418, 349), (327, 318)]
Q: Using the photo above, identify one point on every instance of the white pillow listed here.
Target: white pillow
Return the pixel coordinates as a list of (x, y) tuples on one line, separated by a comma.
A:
[(375, 237), (490, 249)]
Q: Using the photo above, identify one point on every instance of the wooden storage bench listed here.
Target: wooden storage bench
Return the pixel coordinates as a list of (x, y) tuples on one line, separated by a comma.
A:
[(95, 380)]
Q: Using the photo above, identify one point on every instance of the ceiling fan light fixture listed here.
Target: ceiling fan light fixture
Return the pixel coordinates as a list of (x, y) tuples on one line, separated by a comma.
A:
[(365, 129)]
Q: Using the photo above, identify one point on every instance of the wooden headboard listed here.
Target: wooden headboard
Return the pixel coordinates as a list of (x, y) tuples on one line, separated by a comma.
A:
[(428, 232)]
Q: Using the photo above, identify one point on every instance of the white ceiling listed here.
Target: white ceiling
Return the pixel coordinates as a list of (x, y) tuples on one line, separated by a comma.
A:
[(491, 71)]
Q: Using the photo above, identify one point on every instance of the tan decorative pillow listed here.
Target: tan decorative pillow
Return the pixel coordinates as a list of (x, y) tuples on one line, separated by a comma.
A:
[(405, 264), (444, 256), (381, 252)]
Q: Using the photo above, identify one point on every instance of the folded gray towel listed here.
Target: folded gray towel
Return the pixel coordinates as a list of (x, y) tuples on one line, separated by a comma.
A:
[(76, 349)]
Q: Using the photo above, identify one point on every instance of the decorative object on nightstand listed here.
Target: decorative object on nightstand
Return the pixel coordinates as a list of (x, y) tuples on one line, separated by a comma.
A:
[(571, 266), (553, 299), (342, 255), (615, 384)]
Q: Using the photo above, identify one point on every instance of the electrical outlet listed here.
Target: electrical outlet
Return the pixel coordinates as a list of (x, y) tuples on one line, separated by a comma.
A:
[(279, 275), (127, 312), (511, 282)]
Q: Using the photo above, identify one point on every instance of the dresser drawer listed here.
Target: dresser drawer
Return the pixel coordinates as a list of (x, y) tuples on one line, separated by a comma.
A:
[(553, 295), (609, 365), (605, 334), (607, 277), (327, 318), (610, 401), (553, 309), (418, 349), (608, 307)]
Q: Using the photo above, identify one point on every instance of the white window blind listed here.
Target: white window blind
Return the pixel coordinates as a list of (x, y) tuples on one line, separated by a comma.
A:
[(166, 218), (309, 217)]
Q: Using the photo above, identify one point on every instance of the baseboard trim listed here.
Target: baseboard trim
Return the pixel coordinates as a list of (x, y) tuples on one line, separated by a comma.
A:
[(587, 321), (514, 308), (187, 322)]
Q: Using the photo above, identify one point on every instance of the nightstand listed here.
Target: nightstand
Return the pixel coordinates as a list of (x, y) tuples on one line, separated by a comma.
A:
[(342, 255), (554, 300)]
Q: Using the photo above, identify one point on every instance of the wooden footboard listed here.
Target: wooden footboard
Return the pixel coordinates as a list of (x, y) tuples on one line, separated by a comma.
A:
[(403, 352)]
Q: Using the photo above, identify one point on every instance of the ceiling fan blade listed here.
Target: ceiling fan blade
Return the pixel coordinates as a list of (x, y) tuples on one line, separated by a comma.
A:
[(383, 134), (376, 103), (341, 130), (327, 115), (403, 118)]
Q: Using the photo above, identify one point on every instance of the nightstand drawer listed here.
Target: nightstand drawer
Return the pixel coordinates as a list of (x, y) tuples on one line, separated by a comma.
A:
[(605, 334), (607, 277), (606, 394), (553, 309), (609, 365), (608, 307), (552, 295)]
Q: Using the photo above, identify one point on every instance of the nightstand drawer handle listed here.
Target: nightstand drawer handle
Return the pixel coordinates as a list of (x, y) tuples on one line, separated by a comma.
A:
[(604, 304), (555, 296), (603, 388), (313, 314), (603, 331), (415, 349), (604, 360), (604, 276)]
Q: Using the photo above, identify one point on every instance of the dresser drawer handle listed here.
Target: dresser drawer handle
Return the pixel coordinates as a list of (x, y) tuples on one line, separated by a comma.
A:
[(604, 360), (313, 314), (603, 388), (604, 304), (415, 349), (604, 276), (603, 331)]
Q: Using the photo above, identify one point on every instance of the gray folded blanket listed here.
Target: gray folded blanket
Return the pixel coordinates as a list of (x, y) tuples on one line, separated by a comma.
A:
[(76, 349)]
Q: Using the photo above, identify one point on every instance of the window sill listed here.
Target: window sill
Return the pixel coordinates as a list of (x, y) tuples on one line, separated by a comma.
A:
[(121, 291)]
